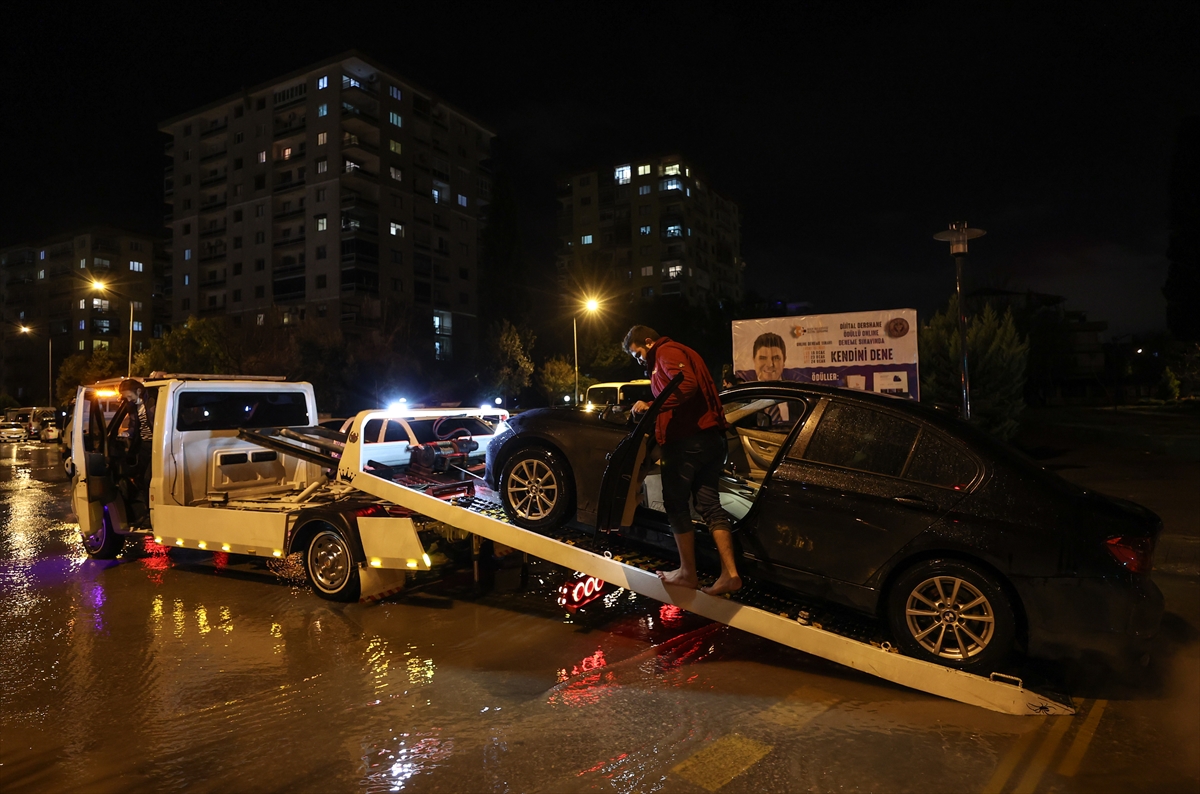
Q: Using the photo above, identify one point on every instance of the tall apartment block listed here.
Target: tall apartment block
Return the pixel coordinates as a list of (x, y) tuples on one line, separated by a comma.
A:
[(650, 228), (51, 291), (337, 191)]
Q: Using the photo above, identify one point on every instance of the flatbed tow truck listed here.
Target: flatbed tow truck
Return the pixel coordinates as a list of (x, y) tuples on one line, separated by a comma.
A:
[(417, 497)]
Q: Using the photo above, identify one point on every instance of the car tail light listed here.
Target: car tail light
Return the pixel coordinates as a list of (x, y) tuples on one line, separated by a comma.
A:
[(1135, 554), (372, 510)]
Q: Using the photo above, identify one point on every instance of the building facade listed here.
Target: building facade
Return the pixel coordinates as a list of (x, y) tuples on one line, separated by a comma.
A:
[(649, 228), (337, 191), (73, 293)]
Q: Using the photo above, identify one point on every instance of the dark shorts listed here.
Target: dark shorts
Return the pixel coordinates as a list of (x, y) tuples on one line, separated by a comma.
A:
[(692, 467)]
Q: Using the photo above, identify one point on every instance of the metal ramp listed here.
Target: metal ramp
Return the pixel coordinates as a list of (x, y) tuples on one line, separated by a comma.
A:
[(813, 629)]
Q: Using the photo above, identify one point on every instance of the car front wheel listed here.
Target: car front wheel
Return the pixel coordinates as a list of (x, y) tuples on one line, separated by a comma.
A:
[(534, 489), (953, 613), (330, 566), (104, 543)]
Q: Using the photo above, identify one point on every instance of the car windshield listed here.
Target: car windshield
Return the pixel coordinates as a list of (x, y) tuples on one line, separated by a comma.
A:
[(10, 426)]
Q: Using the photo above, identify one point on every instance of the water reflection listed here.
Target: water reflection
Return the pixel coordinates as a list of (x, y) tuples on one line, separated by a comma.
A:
[(391, 769)]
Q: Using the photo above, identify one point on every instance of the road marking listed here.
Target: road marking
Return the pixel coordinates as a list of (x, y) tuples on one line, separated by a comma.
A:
[(1037, 767), (800, 707), (722, 761), (1015, 753), (1079, 747)]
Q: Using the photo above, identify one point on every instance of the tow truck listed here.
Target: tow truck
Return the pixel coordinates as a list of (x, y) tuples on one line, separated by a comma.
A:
[(356, 506)]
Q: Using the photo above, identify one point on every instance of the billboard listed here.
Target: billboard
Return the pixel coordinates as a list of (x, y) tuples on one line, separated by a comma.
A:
[(871, 351)]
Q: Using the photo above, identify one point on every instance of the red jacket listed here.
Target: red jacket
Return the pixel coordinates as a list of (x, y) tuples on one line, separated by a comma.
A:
[(695, 405)]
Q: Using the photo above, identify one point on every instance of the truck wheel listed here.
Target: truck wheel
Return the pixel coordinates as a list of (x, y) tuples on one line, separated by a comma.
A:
[(952, 613), (330, 566), (535, 490), (105, 543)]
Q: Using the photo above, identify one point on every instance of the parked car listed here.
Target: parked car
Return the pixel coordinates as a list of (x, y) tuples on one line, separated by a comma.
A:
[(12, 431), (964, 547)]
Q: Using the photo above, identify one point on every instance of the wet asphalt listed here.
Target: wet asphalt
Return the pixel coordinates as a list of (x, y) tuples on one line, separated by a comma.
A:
[(200, 672)]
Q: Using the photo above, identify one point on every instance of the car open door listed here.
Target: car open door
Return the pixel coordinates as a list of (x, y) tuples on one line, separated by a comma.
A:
[(618, 488), (92, 488)]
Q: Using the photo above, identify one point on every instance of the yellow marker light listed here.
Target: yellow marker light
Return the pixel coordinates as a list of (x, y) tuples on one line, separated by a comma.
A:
[(107, 393), (425, 557), (202, 545), (178, 541), (376, 562), (277, 553), (224, 547), (158, 539), (411, 563)]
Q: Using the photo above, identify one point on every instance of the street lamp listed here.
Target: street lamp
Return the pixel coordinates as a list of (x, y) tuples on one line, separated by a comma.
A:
[(957, 235), (99, 286), (591, 305), (25, 329)]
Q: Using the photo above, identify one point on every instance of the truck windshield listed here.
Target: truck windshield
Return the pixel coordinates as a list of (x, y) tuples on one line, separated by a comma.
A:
[(230, 410)]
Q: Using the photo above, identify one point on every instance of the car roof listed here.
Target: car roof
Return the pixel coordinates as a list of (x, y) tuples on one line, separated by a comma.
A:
[(754, 388)]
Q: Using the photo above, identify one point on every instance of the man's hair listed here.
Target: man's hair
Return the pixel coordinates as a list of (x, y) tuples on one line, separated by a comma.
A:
[(639, 334), (769, 340), (129, 384)]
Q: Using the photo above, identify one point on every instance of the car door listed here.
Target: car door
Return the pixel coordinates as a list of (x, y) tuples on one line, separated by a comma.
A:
[(619, 486), (839, 505), (91, 486)]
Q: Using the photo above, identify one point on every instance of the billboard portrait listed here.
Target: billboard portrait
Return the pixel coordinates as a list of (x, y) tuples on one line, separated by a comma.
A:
[(870, 351)]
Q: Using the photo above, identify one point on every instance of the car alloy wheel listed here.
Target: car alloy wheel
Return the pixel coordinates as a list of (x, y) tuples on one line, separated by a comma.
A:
[(533, 489)]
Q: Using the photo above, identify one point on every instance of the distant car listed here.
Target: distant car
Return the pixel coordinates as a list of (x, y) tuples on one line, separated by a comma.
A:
[(12, 432), (963, 546), (461, 433), (49, 432), (618, 393)]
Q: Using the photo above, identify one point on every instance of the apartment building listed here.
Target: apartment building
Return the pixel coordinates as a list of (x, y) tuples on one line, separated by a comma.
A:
[(337, 191), (73, 293), (650, 228)]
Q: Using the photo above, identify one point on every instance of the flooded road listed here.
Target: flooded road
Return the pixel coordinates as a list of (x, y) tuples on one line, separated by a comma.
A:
[(200, 672)]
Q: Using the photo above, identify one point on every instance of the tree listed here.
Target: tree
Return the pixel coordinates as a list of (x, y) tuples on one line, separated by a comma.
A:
[(198, 346), (81, 369), (511, 365), (997, 359), (1168, 385), (8, 401), (556, 377)]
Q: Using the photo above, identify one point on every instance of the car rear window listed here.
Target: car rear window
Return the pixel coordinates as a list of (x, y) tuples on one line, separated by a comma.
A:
[(230, 410), (859, 438), (939, 462)]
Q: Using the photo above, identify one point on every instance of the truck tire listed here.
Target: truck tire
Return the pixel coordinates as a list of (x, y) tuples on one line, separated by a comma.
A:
[(330, 567), (105, 543)]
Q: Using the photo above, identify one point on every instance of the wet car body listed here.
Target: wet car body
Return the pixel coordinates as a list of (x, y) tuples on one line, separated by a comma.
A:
[(848, 529)]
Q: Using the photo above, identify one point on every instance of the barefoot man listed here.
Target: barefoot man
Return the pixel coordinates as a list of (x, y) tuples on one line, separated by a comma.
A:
[(690, 429)]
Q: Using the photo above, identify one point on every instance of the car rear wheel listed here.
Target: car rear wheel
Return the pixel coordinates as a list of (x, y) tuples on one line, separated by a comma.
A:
[(953, 613), (104, 543), (330, 566), (534, 489)]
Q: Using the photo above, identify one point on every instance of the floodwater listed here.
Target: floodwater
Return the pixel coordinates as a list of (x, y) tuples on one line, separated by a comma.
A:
[(195, 671)]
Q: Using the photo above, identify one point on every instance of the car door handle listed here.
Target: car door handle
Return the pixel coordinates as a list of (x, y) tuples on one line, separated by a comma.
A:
[(914, 502)]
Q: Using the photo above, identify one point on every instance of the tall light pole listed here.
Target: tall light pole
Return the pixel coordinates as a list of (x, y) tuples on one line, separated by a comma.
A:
[(25, 329), (591, 304), (99, 286), (957, 235)]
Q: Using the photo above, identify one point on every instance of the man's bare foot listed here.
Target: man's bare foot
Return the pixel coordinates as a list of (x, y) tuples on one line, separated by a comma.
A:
[(723, 585), (678, 578)]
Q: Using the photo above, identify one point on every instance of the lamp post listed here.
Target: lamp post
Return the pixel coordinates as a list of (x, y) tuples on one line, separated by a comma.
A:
[(49, 361), (591, 304), (99, 286), (957, 235)]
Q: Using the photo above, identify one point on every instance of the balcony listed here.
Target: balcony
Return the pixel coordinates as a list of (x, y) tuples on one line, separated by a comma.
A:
[(291, 184), (215, 128), (213, 206), (353, 169), (215, 155), (352, 200), (356, 113), (168, 219), (357, 258), (350, 141), (213, 256), (356, 84), (288, 213), (352, 227), (297, 240), (215, 281), (213, 179), (213, 231), (213, 308), (291, 128)]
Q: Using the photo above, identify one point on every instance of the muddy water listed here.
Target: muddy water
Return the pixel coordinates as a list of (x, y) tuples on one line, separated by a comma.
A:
[(202, 672)]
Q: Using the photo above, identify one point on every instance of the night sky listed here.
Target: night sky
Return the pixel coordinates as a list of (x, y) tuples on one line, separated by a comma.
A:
[(848, 133)]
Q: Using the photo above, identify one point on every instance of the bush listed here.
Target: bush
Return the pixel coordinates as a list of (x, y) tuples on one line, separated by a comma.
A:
[(1168, 386)]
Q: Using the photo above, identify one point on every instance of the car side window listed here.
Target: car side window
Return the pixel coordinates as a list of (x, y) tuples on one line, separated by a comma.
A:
[(937, 461), (860, 438)]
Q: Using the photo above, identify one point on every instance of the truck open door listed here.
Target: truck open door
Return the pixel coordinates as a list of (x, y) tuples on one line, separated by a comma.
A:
[(93, 494), (620, 484)]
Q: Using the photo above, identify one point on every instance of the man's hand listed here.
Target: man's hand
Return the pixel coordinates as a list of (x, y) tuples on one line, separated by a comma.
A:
[(641, 406)]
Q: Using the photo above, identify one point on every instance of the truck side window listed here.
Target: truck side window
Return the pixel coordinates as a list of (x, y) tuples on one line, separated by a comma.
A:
[(230, 410)]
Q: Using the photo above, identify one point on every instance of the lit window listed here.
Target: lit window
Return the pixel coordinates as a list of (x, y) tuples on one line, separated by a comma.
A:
[(322, 223), (322, 165), (644, 230), (395, 92), (671, 170), (322, 138), (42, 255), (644, 190), (437, 195), (397, 174), (586, 239), (41, 274), (260, 319), (673, 271), (82, 263), (100, 304), (322, 82), (394, 117), (687, 190), (262, 157), (137, 325), (689, 231), (462, 200), (395, 145), (670, 184), (675, 230), (83, 303), (187, 254), (82, 325), (643, 170), (648, 270), (397, 229), (623, 174), (187, 279), (136, 267), (137, 306), (322, 110), (81, 342)]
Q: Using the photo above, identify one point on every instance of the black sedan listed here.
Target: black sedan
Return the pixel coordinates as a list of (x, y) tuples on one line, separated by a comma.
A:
[(962, 545)]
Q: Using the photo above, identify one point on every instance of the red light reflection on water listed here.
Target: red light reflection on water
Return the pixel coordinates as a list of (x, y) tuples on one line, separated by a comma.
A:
[(670, 614), (615, 761), (156, 560), (220, 559)]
